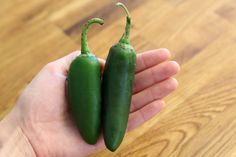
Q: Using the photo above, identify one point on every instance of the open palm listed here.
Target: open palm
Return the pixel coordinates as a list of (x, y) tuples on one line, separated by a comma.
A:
[(44, 108)]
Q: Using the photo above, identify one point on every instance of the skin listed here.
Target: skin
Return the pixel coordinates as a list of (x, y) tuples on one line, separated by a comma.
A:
[(42, 109)]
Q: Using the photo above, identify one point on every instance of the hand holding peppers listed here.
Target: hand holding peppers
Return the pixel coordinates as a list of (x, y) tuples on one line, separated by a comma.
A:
[(42, 110)]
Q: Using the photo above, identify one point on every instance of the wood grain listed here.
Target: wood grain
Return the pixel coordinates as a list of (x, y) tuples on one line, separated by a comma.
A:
[(199, 119)]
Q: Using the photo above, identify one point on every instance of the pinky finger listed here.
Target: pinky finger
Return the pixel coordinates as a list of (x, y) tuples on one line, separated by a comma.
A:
[(142, 115)]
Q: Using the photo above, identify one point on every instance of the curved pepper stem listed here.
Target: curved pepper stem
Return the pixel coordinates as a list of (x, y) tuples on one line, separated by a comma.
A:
[(125, 36), (84, 40)]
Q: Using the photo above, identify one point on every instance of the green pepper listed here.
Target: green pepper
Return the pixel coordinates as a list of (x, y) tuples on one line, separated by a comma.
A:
[(84, 89), (117, 85)]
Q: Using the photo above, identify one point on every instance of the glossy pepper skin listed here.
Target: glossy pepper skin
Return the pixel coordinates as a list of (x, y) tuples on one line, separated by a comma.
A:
[(117, 85), (84, 90)]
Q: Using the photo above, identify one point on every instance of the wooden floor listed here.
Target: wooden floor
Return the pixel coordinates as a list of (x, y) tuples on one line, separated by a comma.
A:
[(200, 117)]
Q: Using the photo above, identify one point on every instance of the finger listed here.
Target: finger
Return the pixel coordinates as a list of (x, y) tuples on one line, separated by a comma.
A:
[(154, 75), (155, 92), (61, 65), (147, 112), (151, 58), (65, 61)]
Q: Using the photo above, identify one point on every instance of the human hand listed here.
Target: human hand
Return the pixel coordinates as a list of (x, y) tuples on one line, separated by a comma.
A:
[(43, 107)]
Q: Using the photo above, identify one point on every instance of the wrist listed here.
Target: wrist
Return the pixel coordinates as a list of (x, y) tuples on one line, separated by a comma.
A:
[(13, 142)]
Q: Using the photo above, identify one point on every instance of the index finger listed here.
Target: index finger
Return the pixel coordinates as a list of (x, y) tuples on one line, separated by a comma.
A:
[(151, 58)]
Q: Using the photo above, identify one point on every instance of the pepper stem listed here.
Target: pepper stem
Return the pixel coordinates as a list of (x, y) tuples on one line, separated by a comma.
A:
[(125, 36), (84, 40)]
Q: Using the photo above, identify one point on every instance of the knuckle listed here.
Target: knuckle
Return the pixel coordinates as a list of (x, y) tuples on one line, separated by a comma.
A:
[(51, 67)]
